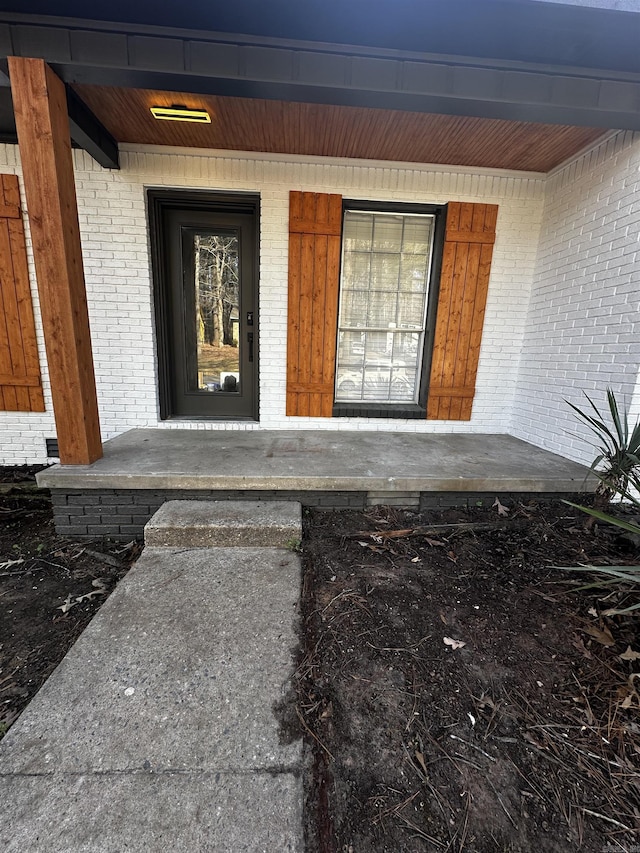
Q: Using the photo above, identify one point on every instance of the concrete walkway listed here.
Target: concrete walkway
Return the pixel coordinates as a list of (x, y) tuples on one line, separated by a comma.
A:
[(157, 731)]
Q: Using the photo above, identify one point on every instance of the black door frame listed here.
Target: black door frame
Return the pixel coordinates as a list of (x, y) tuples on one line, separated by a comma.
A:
[(162, 202)]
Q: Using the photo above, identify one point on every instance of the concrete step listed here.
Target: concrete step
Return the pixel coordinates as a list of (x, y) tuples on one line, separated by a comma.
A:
[(225, 524)]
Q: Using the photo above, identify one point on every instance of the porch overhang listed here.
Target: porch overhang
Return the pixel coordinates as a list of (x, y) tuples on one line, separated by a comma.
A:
[(542, 88), (502, 60)]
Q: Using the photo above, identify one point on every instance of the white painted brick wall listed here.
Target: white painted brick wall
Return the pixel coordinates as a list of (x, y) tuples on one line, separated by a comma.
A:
[(583, 329), (113, 223)]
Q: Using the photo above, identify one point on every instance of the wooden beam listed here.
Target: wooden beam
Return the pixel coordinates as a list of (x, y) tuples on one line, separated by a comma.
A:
[(45, 150), (89, 133)]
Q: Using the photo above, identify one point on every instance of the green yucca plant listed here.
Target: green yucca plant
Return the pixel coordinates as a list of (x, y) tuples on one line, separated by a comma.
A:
[(609, 576), (617, 467), (617, 464)]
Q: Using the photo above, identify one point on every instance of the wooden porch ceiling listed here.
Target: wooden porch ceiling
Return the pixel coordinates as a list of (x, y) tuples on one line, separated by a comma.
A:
[(286, 127)]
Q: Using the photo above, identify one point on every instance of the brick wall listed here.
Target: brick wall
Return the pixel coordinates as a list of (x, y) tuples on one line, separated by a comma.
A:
[(114, 232), (583, 326), (121, 514)]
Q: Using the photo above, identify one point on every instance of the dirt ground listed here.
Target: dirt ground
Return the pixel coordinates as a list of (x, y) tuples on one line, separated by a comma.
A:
[(49, 589), (458, 693), (455, 690)]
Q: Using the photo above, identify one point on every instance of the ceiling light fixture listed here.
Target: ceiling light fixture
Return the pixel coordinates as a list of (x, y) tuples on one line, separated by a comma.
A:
[(178, 112)]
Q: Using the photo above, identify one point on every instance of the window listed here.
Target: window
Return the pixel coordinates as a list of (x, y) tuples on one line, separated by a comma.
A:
[(382, 320), (395, 330)]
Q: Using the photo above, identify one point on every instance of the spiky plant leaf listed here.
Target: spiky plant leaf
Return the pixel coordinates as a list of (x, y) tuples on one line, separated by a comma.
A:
[(609, 519)]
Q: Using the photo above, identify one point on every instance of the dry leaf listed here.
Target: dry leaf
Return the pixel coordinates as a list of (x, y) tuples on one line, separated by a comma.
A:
[(10, 563), (455, 644), (629, 654), (381, 535), (420, 760), (601, 635), (502, 510), (627, 702), (375, 548), (394, 534), (328, 712), (100, 589), (578, 643), (592, 612), (435, 543), (68, 604)]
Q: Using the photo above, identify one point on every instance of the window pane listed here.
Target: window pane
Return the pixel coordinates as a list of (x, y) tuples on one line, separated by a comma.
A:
[(382, 309), (411, 310), (387, 233), (414, 273), (418, 231), (385, 271), (356, 271), (350, 365), (407, 345), (351, 349), (354, 308), (385, 278), (377, 346), (358, 232), (403, 384), (376, 384)]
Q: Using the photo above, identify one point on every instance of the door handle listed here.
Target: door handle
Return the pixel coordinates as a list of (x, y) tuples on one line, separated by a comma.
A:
[(250, 341)]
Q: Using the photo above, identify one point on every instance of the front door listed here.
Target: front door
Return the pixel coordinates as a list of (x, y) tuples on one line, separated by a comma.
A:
[(208, 313)]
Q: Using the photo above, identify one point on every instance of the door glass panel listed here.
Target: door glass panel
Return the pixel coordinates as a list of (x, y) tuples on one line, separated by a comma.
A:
[(216, 314)]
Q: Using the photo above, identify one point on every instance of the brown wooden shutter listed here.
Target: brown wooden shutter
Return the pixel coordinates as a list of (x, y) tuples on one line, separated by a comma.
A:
[(315, 224), (464, 280), (20, 383)]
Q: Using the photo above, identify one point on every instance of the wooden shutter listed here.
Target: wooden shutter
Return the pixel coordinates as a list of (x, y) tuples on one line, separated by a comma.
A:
[(315, 223), (466, 262), (20, 383)]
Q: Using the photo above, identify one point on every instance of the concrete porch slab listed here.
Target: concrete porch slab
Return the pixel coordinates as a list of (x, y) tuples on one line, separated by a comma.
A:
[(298, 460)]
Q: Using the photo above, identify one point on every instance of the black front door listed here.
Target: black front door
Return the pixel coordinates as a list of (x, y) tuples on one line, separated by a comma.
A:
[(207, 317)]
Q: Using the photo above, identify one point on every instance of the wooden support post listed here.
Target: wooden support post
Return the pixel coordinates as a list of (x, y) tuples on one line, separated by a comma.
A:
[(40, 108)]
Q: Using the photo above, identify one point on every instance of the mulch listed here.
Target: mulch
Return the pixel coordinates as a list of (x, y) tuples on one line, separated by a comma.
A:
[(50, 588), (458, 692)]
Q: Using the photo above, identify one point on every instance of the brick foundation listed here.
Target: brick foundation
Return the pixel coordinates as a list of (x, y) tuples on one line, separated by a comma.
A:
[(121, 514)]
